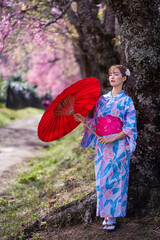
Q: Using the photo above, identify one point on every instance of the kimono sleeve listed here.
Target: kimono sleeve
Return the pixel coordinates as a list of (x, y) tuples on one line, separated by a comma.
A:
[(130, 125), (89, 139)]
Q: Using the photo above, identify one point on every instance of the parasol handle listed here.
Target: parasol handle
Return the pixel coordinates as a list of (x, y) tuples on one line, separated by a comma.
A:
[(88, 127)]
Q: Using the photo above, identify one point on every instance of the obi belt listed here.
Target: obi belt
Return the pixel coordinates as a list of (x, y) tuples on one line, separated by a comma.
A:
[(108, 125)]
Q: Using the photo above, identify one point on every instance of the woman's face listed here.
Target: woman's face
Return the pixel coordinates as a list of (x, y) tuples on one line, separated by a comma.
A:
[(115, 78)]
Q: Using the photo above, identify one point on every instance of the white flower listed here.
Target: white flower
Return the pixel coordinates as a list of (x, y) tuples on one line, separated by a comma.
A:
[(128, 72)]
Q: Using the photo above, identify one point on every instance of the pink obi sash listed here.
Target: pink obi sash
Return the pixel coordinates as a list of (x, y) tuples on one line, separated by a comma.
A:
[(108, 125)]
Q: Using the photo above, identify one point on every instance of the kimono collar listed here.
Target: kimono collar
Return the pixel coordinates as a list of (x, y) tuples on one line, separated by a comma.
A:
[(119, 95)]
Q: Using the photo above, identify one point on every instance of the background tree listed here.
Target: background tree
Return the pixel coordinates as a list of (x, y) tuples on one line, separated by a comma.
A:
[(39, 53), (93, 21), (53, 70), (95, 48)]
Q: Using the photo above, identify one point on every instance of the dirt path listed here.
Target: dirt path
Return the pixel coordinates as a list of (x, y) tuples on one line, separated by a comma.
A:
[(18, 143)]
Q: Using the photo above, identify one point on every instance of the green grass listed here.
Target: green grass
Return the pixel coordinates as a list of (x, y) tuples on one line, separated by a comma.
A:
[(63, 173), (9, 115)]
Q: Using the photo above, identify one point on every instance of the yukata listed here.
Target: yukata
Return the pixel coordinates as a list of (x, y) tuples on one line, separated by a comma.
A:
[(112, 159)]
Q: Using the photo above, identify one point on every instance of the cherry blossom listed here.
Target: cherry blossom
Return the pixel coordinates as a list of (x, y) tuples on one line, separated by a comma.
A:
[(33, 46)]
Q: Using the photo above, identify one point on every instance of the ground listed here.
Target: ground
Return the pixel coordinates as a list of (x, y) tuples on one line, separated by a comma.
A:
[(19, 142), (127, 229)]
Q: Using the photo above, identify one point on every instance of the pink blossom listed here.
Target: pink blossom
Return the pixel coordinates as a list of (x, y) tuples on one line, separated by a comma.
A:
[(127, 147), (131, 133), (108, 193), (131, 108), (106, 158), (28, 34), (122, 171), (115, 112), (105, 151), (111, 154), (55, 11), (127, 130)]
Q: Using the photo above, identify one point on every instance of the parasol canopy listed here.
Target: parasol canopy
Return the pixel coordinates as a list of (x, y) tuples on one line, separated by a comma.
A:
[(57, 120)]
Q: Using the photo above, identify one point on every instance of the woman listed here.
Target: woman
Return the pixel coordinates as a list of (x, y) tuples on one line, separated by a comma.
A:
[(115, 122)]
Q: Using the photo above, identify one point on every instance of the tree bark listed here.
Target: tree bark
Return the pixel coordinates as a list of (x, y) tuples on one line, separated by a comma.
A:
[(82, 51), (79, 211), (95, 40), (139, 30)]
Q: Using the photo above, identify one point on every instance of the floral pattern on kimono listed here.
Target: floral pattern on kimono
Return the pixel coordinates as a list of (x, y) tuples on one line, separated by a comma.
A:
[(112, 159)]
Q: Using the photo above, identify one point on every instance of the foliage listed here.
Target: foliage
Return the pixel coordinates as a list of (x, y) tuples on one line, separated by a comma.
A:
[(84, 29), (42, 55), (59, 176), (3, 90), (8, 115), (53, 70)]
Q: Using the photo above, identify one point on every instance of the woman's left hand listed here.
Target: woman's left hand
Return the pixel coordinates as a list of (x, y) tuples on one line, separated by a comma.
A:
[(104, 140)]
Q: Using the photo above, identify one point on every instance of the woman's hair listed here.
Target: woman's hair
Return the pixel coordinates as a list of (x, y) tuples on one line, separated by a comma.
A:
[(122, 69)]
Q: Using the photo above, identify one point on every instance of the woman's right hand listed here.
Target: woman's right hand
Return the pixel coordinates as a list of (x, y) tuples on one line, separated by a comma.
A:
[(78, 116)]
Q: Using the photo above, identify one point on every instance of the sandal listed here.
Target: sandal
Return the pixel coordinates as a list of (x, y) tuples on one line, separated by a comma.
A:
[(105, 221), (110, 226)]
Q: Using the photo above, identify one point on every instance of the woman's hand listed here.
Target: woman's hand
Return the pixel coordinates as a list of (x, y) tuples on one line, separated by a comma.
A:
[(78, 116), (104, 140)]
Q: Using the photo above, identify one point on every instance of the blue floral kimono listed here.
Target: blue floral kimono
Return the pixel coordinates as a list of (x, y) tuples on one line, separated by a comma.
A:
[(112, 159)]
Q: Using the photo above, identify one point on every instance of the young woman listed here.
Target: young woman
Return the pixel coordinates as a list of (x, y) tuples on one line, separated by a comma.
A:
[(115, 122)]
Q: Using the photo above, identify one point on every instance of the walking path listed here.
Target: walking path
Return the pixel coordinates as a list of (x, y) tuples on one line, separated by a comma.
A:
[(18, 142)]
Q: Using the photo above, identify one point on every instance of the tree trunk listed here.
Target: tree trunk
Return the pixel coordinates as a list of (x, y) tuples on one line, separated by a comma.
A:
[(139, 30), (95, 40), (85, 59)]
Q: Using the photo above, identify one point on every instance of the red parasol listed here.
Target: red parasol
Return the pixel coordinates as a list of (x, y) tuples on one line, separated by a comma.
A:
[(57, 120)]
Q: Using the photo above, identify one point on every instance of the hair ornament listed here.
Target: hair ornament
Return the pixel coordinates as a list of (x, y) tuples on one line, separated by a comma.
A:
[(127, 72)]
